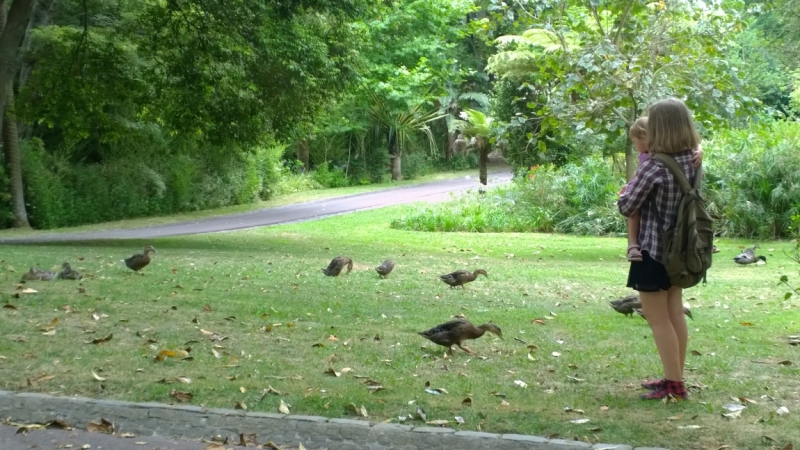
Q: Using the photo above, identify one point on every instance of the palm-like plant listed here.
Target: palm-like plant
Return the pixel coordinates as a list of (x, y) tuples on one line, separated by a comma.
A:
[(399, 126), (477, 127)]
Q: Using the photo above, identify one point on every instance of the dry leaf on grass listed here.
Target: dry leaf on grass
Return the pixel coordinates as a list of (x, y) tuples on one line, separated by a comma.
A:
[(97, 377), (283, 407), (100, 340), (103, 426), (180, 395)]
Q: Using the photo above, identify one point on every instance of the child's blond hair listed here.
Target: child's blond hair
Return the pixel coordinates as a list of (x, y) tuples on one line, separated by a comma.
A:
[(639, 129)]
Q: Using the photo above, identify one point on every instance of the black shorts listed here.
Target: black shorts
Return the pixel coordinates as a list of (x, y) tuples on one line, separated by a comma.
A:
[(648, 275)]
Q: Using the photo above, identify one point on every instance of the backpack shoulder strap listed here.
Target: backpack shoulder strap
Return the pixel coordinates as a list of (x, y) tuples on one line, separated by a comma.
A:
[(677, 172)]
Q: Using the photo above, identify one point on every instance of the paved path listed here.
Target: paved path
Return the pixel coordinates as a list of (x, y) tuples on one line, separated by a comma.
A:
[(431, 192), (76, 439)]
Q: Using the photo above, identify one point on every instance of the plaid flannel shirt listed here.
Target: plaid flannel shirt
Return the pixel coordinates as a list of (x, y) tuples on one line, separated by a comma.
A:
[(654, 191)]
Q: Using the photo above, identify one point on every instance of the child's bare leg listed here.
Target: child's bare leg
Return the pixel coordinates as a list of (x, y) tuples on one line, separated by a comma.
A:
[(634, 253)]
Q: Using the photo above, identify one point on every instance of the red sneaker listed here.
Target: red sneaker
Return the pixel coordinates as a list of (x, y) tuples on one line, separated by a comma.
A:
[(674, 389), (653, 385)]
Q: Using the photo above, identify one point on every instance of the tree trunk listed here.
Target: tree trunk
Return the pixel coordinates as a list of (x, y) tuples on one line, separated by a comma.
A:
[(302, 153), (483, 161), (451, 143), (630, 161), (397, 161), (12, 156), (10, 40), (16, 19)]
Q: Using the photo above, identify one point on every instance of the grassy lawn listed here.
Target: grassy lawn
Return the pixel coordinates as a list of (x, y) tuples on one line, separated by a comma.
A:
[(298, 197), (261, 324)]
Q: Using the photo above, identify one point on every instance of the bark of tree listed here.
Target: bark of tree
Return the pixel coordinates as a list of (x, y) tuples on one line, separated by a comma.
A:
[(483, 162), (13, 26), (451, 143), (19, 15), (14, 165), (397, 165)]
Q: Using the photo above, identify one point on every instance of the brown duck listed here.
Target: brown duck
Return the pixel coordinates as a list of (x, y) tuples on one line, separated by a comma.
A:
[(336, 266), (457, 331), (631, 304), (385, 268), (36, 273), (140, 261), (626, 305), (461, 277), (68, 273)]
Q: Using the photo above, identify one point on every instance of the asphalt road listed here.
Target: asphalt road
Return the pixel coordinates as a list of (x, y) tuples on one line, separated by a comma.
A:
[(431, 192), (76, 439)]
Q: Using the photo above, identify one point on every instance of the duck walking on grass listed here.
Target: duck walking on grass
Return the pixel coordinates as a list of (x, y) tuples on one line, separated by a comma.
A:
[(461, 277), (336, 266), (626, 305), (36, 273), (457, 331), (68, 273), (748, 256), (385, 268), (140, 261)]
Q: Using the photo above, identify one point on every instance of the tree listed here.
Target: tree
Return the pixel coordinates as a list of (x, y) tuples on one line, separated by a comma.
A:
[(398, 126), (600, 65), (12, 29), (477, 127)]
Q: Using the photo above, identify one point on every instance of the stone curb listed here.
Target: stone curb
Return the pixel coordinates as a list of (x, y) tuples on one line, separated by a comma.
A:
[(194, 422)]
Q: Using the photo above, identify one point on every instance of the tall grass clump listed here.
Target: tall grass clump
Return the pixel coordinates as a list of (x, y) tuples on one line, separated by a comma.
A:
[(577, 199), (753, 179)]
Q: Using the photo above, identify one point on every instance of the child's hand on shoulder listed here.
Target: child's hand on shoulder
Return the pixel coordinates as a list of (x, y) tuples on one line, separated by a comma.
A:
[(622, 189), (697, 156)]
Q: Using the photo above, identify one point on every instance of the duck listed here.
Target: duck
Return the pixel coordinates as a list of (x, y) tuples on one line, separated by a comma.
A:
[(36, 273), (461, 277), (140, 261), (457, 331), (626, 305), (686, 312), (336, 266), (385, 268), (68, 273), (748, 256)]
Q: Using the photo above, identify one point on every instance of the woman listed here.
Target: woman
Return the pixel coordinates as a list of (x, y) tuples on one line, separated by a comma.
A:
[(655, 193)]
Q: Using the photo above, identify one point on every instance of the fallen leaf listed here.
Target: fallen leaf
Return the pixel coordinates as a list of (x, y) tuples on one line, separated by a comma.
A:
[(164, 354), (283, 408), (104, 426), (240, 405), (579, 421), (97, 377), (9, 306), (438, 423), (747, 324), (782, 410), (521, 383), (215, 353), (467, 401), (330, 371), (459, 419), (696, 353), (421, 414), (180, 395), (100, 340)]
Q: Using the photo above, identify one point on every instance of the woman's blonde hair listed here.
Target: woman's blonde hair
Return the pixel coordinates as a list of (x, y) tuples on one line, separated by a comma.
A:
[(639, 129), (670, 128)]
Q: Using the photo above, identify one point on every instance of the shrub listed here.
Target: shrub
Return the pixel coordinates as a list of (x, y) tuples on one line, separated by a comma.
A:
[(579, 199), (416, 164), (753, 179), (330, 178)]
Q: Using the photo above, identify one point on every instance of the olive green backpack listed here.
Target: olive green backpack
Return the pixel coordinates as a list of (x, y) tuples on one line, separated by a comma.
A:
[(687, 247)]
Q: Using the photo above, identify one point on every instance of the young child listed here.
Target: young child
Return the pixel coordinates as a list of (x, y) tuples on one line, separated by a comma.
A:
[(638, 135)]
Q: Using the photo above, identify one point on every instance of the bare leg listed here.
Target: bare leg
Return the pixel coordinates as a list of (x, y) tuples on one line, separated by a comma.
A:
[(656, 311), (633, 237), (678, 320)]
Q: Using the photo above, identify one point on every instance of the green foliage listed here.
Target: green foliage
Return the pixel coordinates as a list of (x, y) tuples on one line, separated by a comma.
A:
[(595, 67), (61, 193), (415, 165), (329, 177), (576, 199), (753, 179)]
